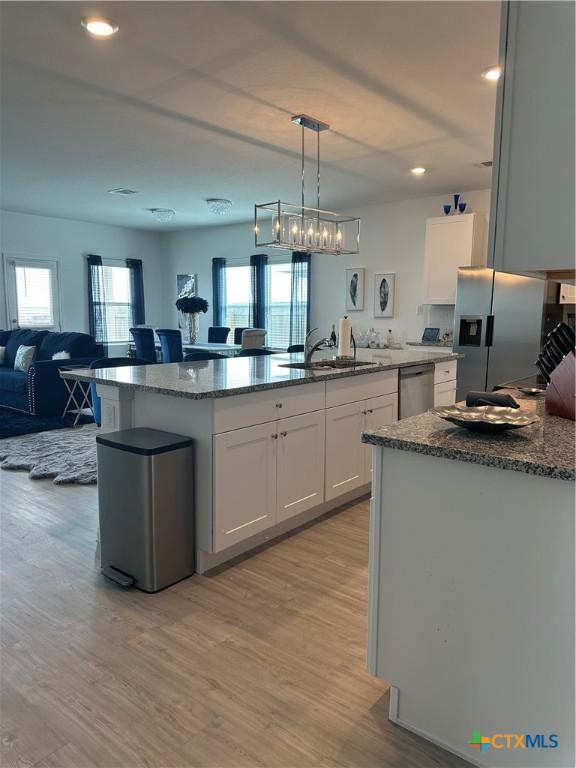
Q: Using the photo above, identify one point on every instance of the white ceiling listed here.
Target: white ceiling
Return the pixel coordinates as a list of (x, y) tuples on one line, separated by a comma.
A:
[(193, 100)]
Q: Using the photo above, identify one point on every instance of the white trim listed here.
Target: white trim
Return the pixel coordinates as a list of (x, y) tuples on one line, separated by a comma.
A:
[(50, 262)]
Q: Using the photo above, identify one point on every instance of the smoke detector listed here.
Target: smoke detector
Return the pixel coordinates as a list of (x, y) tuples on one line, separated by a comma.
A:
[(219, 205), (163, 215)]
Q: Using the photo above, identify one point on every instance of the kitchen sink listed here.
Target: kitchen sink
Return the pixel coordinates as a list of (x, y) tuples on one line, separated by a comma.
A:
[(320, 365)]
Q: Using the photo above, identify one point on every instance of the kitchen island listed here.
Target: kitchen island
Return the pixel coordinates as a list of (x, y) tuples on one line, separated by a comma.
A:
[(276, 444), (471, 595)]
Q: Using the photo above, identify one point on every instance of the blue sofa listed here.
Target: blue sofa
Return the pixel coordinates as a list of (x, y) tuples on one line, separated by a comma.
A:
[(41, 391)]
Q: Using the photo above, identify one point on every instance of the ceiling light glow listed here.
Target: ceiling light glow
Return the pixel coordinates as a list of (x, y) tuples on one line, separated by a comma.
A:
[(492, 73), (219, 205), (98, 26), (418, 171), (163, 215)]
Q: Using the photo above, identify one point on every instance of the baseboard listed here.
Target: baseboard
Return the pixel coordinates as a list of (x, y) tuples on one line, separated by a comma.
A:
[(206, 561), (394, 718)]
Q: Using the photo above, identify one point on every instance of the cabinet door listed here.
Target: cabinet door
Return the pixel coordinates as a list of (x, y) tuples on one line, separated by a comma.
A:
[(444, 394), (244, 483), (534, 141), (300, 464), (451, 242), (379, 412), (344, 451)]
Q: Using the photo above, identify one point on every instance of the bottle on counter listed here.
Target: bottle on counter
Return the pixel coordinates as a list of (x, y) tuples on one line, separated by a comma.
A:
[(333, 339), (389, 339)]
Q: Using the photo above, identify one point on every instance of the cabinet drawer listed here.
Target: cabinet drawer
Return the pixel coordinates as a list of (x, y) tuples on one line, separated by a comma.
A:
[(268, 405), (350, 390), (444, 394), (445, 371)]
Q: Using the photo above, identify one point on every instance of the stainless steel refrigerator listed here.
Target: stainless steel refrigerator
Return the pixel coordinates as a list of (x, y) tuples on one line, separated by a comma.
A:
[(497, 327)]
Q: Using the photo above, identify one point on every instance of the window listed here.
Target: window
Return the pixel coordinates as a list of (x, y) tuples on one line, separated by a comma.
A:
[(32, 293), (118, 301), (282, 308), (115, 299), (237, 306), (278, 305)]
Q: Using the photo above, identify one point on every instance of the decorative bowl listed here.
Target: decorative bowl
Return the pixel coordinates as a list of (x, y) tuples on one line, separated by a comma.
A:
[(532, 391), (486, 418)]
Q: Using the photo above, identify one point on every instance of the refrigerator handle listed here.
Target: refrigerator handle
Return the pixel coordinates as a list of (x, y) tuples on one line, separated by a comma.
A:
[(489, 338)]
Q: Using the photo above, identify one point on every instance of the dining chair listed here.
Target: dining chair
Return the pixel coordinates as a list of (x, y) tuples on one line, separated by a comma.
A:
[(254, 352), (238, 335), (170, 344), (108, 362), (295, 348), (218, 334), (192, 357), (144, 343), (253, 337)]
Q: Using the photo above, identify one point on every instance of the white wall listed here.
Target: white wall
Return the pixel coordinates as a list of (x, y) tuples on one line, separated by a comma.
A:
[(192, 250), (69, 242), (392, 240)]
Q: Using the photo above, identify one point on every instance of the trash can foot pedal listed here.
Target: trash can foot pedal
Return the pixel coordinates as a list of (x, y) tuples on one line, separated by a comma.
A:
[(123, 579)]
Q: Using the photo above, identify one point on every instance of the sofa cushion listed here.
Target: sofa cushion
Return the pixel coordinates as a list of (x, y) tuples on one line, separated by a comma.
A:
[(4, 336), (21, 337), (77, 344), (2, 355), (24, 358), (13, 381)]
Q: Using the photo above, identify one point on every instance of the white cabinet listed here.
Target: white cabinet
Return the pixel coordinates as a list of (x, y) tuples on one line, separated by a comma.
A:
[(532, 216), (244, 483), (451, 242), (265, 474), (348, 461), (379, 412), (567, 294), (344, 451), (445, 383), (444, 394), (300, 464)]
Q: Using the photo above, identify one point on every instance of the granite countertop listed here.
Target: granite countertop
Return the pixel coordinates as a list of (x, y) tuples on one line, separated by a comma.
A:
[(545, 449), (239, 375)]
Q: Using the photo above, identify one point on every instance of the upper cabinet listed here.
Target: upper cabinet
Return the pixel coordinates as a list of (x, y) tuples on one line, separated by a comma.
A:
[(532, 217), (451, 242)]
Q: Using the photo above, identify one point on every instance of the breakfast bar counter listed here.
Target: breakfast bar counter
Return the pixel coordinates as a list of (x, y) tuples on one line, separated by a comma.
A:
[(276, 439), (472, 550)]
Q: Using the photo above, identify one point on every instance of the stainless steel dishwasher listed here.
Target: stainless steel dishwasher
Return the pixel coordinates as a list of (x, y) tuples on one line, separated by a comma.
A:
[(416, 389)]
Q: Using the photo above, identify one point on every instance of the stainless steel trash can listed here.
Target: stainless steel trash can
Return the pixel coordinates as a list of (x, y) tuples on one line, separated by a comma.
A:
[(146, 507)]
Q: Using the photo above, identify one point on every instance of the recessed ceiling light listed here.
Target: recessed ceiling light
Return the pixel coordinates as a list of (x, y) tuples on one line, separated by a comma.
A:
[(122, 191), (219, 205), (418, 171), (492, 73), (99, 26), (163, 215)]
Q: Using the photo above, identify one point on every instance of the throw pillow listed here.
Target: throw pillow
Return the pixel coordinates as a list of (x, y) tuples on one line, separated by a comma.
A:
[(2, 355), (24, 358), (61, 355)]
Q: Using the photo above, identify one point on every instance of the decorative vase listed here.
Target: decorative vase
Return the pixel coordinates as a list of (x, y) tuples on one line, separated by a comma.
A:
[(192, 324)]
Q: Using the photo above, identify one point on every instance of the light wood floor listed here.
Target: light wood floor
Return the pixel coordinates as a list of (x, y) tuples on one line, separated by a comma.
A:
[(259, 665)]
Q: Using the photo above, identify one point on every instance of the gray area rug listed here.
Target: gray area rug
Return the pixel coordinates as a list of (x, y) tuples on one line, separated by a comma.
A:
[(67, 455)]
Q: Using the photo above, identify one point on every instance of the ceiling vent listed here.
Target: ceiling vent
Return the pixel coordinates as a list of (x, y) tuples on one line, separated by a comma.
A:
[(122, 191)]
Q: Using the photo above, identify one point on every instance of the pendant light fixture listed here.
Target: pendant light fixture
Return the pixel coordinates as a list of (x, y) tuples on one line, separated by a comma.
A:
[(298, 227)]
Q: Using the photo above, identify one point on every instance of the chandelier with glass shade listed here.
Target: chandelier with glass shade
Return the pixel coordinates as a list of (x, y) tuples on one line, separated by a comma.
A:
[(298, 227)]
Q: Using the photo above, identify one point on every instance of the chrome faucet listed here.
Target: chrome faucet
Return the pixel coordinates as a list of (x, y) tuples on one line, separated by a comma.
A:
[(310, 348)]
